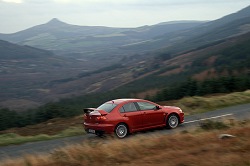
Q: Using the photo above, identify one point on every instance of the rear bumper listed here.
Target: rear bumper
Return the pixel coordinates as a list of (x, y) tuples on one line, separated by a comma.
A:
[(99, 128)]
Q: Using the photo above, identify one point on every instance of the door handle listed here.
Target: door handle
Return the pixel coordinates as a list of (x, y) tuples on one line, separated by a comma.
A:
[(124, 115)]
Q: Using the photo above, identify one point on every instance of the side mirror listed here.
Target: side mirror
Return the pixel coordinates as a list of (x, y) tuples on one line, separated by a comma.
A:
[(157, 107)]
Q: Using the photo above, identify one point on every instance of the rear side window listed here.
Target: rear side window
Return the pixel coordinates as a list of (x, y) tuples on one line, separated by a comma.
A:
[(122, 110), (108, 107), (146, 106), (129, 107)]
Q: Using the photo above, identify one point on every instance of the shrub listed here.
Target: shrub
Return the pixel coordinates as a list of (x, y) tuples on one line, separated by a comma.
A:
[(213, 125)]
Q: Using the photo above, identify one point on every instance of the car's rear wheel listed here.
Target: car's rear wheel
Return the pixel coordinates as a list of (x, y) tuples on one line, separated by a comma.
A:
[(172, 121), (121, 130)]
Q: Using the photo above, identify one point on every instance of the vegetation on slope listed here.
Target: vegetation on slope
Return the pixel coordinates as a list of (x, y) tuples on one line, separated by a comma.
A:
[(233, 58), (193, 87)]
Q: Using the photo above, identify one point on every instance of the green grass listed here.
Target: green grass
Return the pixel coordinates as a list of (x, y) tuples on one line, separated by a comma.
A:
[(12, 138)]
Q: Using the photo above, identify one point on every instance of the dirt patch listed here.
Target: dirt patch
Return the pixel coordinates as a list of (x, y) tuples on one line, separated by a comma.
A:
[(207, 74), (144, 94), (174, 71), (210, 61)]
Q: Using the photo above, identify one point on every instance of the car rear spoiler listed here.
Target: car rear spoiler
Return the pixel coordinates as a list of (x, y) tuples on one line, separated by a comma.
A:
[(88, 110)]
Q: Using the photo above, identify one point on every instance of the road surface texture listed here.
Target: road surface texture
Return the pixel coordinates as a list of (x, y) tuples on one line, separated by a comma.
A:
[(239, 112)]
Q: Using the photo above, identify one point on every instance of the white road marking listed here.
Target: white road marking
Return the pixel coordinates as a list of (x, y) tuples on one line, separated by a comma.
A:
[(214, 117)]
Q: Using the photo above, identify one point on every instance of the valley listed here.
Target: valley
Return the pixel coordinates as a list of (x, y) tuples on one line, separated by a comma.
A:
[(55, 61)]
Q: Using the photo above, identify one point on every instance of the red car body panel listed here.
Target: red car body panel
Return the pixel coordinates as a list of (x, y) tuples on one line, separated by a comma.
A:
[(100, 121)]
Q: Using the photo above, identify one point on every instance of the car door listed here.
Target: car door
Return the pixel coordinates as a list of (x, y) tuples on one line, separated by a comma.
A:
[(151, 115), (134, 116)]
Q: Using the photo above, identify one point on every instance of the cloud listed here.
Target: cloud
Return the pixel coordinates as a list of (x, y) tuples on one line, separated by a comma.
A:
[(96, 1), (12, 1)]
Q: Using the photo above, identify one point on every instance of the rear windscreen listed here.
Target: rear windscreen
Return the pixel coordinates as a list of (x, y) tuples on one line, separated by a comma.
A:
[(108, 107)]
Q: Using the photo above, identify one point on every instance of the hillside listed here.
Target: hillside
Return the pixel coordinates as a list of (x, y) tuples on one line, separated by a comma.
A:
[(224, 58), (25, 71), (10, 51)]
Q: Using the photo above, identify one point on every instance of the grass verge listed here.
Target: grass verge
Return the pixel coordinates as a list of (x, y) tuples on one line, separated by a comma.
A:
[(180, 149), (12, 138), (197, 104)]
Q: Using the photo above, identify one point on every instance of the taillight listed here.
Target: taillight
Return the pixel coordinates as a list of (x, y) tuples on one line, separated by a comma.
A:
[(100, 118)]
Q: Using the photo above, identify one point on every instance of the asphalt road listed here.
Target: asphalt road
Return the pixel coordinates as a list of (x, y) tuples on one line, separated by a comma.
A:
[(239, 112)]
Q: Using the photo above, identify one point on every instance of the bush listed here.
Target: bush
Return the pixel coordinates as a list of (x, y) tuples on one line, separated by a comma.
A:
[(213, 125)]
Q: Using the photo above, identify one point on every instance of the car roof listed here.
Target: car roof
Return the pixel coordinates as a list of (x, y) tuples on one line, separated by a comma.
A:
[(118, 101)]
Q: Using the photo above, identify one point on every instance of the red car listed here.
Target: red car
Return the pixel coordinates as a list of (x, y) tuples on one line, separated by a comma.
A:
[(123, 116)]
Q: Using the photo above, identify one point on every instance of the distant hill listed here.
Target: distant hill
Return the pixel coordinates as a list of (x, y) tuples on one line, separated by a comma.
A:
[(57, 29), (14, 51), (228, 26), (243, 13), (65, 38)]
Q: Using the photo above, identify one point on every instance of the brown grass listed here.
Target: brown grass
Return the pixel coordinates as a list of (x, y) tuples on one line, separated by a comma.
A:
[(181, 149)]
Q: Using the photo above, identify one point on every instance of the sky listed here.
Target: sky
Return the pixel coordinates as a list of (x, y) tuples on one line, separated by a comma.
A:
[(17, 15)]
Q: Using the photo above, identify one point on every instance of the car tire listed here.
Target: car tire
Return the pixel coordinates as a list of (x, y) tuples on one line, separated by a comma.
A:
[(172, 121), (121, 130)]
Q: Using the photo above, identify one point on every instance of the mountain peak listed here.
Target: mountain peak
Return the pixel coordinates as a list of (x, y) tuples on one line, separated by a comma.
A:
[(56, 21)]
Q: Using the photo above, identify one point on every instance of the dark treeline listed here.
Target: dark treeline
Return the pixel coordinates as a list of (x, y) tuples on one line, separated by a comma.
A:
[(193, 87), (9, 119)]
